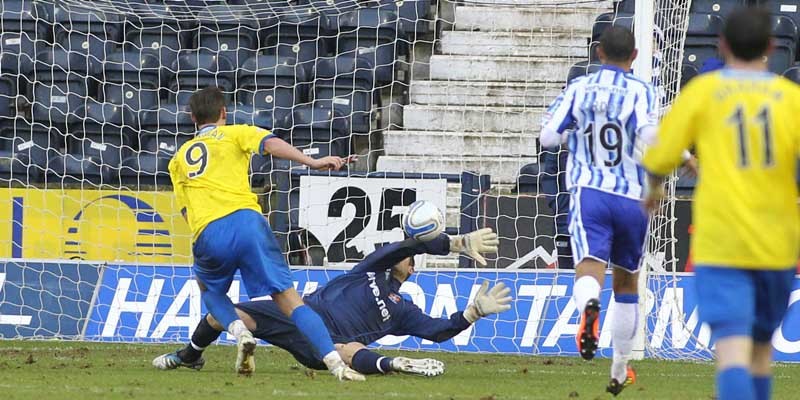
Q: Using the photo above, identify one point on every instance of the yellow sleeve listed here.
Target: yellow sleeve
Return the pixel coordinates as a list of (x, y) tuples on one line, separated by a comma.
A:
[(250, 138), (676, 133), (178, 179)]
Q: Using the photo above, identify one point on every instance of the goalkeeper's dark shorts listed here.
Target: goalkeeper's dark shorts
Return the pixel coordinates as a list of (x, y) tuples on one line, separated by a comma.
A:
[(279, 330), (743, 302)]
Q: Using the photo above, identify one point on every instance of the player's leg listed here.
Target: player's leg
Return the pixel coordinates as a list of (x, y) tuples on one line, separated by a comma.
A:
[(265, 272), (773, 289), (217, 252), (590, 230), (630, 232), (368, 362), (726, 302)]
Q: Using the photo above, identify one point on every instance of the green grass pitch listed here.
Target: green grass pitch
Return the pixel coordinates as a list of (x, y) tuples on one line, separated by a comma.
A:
[(43, 370)]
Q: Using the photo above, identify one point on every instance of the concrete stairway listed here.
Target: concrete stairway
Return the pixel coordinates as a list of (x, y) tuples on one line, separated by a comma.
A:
[(492, 77)]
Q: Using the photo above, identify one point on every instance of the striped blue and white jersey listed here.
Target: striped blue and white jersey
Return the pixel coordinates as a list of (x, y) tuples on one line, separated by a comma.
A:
[(601, 117)]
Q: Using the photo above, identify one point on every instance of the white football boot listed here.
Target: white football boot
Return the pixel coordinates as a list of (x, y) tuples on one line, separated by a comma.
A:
[(421, 366), (245, 356)]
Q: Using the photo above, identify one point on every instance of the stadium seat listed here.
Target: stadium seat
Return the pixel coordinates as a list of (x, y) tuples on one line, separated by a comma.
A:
[(721, 7), (162, 131), (602, 22), (132, 79), (229, 32), (31, 17), (373, 33), (319, 132), (101, 140), (156, 28), (87, 31), (688, 71), (347, 83), (786, 8), (412, 13), (785, 36), (63, 82), (25, 149), (301, 34), (582, 68), (8, 98), (793, 74), (199, 69), (702, 37), (271, 82)]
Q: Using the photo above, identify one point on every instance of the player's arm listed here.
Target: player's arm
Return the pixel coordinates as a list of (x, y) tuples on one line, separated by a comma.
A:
[(471, 244), (178, 178), (557, 119), (668, 148), (487, 302), (253, 139)]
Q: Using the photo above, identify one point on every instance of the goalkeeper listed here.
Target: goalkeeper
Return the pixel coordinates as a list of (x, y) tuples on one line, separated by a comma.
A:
[(360, 307)]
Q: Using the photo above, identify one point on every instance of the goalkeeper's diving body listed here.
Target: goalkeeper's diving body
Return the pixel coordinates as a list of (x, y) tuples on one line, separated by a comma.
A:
[(360, 307), (210, 178)]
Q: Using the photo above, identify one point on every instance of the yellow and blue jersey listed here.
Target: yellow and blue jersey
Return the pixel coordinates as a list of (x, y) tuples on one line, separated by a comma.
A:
[(745, 129), (210, 173)]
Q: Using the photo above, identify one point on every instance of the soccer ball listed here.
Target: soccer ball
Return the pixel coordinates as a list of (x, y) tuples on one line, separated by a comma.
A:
[(423, 221)]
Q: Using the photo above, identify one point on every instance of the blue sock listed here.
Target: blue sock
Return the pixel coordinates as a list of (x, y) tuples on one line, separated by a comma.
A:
[(369, 362), (735, 384), (220, 306), (313, 328), (763, 386)]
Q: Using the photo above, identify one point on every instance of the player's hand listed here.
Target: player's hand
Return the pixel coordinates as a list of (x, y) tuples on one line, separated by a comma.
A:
[(489, 301), (652, 200), (474, 243), (327, 163), (690, 167)]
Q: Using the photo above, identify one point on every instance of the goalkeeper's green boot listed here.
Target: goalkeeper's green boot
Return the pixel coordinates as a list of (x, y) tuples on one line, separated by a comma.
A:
[(173, 361), (615, 387)]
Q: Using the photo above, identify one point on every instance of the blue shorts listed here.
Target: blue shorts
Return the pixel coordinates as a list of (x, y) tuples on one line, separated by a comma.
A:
[(607, 227), (241, 240), (279, 330), (743, 302)]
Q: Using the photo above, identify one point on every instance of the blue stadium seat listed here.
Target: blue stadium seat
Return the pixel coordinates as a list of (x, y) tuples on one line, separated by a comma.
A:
[(31, 17), (793, 74), (260, 165), (87, 31), (197, 70), (8, 98), (786, 8), (17, 52), (702, 37), (157, 28), (302, 34), (318, 132), (101, 140), (25, 149), (601, 23), (271, 82), (688, 72), (412, 13), (229, 32), (132, 79), (721, 7), (785, 36), (373, 33), (347, 83), (162, 131), (582, 68), (63, 82)]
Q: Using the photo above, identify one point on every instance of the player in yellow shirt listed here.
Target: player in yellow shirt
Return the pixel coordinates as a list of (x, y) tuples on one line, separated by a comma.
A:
[(210, 177), (744, 123)]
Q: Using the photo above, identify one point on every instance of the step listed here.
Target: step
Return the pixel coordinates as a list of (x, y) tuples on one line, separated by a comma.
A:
[(500, 69), (484, 93), (439, 144), (542, 44), (472, 118), (527, 19), (502, 170)]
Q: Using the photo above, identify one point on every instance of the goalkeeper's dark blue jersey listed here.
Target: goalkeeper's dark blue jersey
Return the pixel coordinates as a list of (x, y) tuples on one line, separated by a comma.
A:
[(364, 304)]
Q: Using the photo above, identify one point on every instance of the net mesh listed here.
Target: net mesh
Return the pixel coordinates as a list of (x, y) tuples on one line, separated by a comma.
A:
[(441, 101)]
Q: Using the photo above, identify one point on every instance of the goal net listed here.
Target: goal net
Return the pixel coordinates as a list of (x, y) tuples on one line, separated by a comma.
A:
[(440, 100)]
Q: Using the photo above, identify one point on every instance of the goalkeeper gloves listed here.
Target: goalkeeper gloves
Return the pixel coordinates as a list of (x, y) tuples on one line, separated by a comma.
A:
[(495, 301), (474, 243)]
